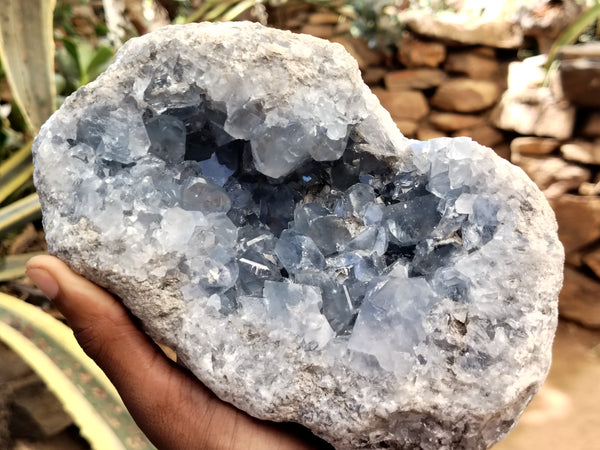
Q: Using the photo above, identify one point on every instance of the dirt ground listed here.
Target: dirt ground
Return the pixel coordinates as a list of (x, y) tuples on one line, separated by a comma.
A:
[(565, 415)]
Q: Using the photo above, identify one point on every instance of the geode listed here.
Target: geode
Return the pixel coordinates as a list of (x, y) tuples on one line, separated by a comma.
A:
[(246, 196)]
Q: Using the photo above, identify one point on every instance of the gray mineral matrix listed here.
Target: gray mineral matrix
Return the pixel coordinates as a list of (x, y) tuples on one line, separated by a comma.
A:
[(248, 198)]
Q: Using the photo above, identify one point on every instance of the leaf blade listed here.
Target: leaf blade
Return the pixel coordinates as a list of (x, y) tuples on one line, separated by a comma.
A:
[(27, 54), (15, 171), (13, 266), (103, 55), (19, 213), (50, 349), (14, 161), (573, 31)]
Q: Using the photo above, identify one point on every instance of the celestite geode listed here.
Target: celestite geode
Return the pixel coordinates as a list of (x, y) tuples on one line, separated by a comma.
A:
[(250, 201)]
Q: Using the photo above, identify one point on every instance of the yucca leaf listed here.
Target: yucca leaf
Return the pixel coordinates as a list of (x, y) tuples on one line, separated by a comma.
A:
[(13, 266), (19, 213), (50, 349), (15, 171), (27, 54)]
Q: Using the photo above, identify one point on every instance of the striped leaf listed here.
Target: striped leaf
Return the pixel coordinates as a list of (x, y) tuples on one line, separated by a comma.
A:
[(27, 55), (50, 349)]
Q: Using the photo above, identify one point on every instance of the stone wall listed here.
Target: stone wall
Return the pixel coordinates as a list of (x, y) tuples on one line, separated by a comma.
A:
[(445, 80)]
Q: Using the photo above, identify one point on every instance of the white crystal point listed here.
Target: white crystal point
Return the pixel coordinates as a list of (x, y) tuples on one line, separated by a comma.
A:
[(250, 201)]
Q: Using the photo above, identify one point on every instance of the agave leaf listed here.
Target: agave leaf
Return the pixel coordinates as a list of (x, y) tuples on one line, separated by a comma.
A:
[(14, 161), (573, 31), (19, 213), (50, 349), (15, 171), (20, 176), (211, 10), (27, 54), (13, 266)]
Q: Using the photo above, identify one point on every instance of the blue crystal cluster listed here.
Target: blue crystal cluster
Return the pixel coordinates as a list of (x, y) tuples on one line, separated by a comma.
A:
[(246, 196), (345, 234)]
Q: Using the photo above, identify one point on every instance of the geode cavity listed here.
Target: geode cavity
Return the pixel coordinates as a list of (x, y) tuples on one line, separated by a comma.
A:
[(250, 201)]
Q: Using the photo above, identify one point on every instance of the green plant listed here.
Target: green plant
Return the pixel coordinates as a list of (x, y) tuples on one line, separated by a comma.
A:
[(79, 62), (33, 84), (15, 177), (376, 21), (15, 174), (27, 56), (13, 266), (11, 139), (18, 214), (15, 171), (574, 31)]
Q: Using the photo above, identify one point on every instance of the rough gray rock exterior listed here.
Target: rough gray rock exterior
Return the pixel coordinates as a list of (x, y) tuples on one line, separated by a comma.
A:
[(250, 201)]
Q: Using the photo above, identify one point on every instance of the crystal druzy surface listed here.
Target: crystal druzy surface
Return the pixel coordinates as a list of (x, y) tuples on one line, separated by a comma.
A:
[(248, 198)]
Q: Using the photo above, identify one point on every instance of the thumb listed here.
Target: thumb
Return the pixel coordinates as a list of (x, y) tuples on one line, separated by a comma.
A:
[(100, 323)]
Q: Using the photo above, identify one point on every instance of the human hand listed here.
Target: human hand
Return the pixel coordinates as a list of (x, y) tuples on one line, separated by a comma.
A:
[(169, 405)]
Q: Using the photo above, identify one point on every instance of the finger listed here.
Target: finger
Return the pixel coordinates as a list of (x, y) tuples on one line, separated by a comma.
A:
[(100, 323)]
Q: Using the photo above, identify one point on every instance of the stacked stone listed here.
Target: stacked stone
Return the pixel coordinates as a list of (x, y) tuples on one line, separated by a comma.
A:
[(443, 91), (559, 148)]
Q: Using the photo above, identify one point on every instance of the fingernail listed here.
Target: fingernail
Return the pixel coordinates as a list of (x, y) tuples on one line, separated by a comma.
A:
[(44, 281)]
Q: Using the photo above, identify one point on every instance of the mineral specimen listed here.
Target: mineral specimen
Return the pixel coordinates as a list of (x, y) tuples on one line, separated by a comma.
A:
[(250, 201)]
